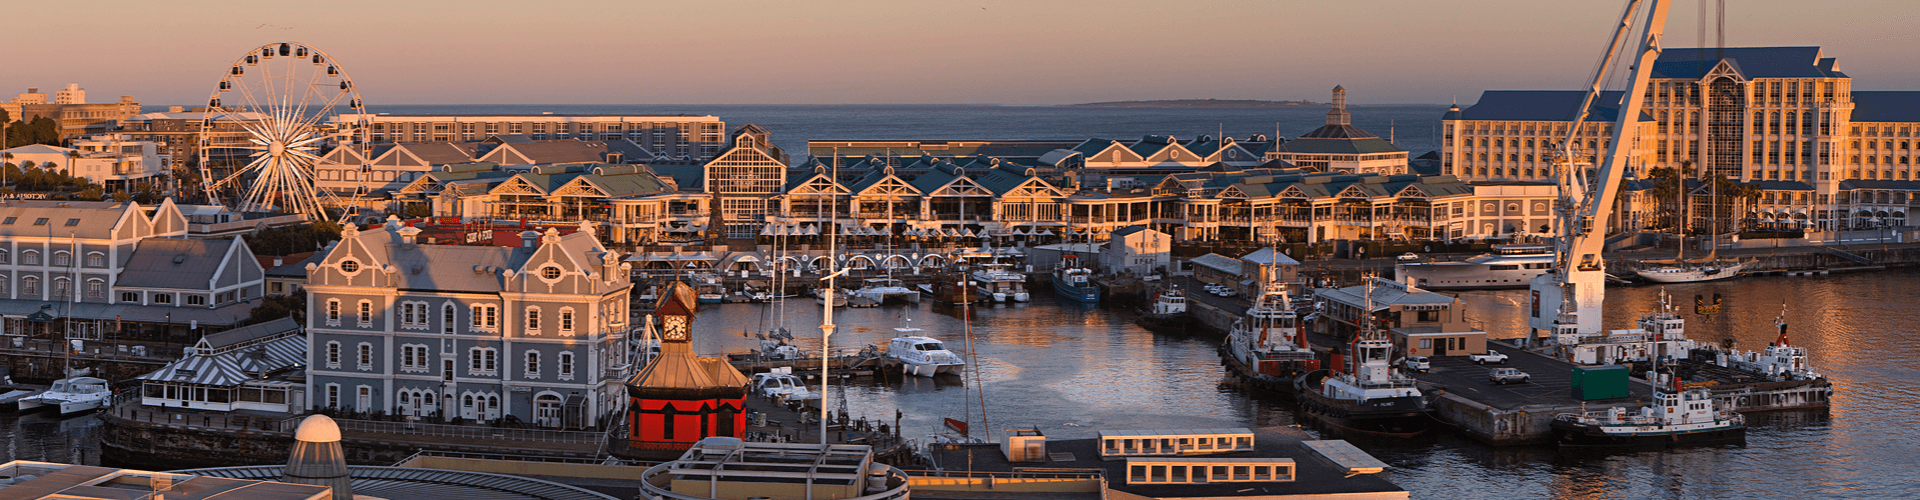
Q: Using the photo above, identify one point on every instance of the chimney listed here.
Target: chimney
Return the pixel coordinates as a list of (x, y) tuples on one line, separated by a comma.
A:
[(529, 239), (278, 261), (409, 234)]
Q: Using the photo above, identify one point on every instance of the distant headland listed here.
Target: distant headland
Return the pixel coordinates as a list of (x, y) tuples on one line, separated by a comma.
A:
[(1197, 103)]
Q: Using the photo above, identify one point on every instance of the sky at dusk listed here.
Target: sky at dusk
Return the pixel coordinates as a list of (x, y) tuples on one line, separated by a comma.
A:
[(902, 51)]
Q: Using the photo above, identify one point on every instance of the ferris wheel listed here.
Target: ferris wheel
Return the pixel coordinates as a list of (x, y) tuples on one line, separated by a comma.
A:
[(281, 110)]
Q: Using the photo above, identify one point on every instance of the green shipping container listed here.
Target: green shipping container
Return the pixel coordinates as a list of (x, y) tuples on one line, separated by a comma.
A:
[(1599, 382)]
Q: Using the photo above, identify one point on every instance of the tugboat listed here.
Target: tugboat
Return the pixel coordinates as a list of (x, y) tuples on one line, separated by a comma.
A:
[(1678, 416), (1075, 282), (1167, 313), (1265, 347), (1369, 395), (997, 281)]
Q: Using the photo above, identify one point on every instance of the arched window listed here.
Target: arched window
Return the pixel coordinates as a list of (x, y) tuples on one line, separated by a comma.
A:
[(96, 288), (96, 259), (62, 258), (446, 318), (62, 288), (30, 258), (30, 286), (6, 257)]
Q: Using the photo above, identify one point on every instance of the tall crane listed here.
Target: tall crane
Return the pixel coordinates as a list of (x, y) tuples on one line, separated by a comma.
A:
[(1566, 301)]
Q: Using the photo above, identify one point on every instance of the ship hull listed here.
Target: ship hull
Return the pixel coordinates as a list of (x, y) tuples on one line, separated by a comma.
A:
[(1088, 294), (1278, 379), (1166, 323), (1396, 416), (1464, 276), (1574, 434), (1691, 276)]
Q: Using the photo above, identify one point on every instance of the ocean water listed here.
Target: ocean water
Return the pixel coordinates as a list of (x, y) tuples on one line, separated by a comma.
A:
[(1414, 127)]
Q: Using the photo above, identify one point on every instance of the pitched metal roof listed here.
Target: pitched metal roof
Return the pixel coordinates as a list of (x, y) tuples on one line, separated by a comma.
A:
[(1886, 106), (181, 264), (1878, 184), (1367, 145), (1752, 62), (1219, 262), (1544, 105), (1784, 185), (238, 355), (96, 219)]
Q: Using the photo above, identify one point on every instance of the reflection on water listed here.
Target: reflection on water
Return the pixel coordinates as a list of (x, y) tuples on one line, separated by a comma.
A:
[(1072, 370), (45, 437)]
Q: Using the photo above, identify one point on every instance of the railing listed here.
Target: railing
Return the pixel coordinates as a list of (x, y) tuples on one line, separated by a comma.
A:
[(141, 414), (495, 456), (473, 432)]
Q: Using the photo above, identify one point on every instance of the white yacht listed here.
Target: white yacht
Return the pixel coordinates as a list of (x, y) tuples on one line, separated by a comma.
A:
[(887, 290), (70, 396), (1507, 266), (922, 356), (998, 280)]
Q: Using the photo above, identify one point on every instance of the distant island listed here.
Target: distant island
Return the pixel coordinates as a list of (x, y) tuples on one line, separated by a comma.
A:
[(1197, 103)]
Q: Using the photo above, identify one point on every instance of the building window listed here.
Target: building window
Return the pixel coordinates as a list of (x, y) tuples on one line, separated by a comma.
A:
[(482, 360), (30, 286), (486, 317), (366, 313), (566, 366), (30, 258), (566, 320), (413, 357), (550, 272), (6, 257), (414, 315), (333, 312), (62, 259), (333, 395), (62, 288), (366, 356), (349, 266), (446, 318), (333, 354), (533, 364), (533, 320), (163, 298), (196, 300)]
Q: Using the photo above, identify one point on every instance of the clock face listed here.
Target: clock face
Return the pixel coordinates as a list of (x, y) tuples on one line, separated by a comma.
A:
[(675, 328)]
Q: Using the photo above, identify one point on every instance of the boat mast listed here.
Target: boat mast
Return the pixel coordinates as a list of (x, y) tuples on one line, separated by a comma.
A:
[(826, 316), (1576, 287)]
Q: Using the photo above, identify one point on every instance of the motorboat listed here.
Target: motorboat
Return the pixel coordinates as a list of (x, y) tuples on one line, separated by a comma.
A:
[(997, 280), (887, 290), (1167, 312), (70, 396), (922, 356), (1075, 283), (1507, 266), (1688, 272), (820, 297), (1678, 416)]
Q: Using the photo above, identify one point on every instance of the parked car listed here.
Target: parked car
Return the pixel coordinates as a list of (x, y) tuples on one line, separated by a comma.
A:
[(1417, 364), (1504, 376), (1491, 356), (1409, 256)]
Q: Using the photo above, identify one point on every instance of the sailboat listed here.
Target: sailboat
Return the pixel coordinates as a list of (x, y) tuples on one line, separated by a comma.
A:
[(1709, 268)]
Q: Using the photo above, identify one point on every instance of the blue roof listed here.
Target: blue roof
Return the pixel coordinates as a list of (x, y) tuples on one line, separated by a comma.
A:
[(1543, 105), (1781, 185), (1886, 106), (1753, 62), (1878, 184)]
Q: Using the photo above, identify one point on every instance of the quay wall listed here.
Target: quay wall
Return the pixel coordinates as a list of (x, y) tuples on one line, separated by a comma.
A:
[(1494, 426), (1212, 316)]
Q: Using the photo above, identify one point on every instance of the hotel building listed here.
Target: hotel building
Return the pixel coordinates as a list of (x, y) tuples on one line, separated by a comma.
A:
[(697, 138), (1785, 119)]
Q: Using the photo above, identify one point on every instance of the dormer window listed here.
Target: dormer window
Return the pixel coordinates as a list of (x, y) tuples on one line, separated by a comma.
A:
[(348, 266)]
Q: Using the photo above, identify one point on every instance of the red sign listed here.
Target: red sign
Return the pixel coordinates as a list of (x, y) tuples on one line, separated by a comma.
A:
[(957, 426)]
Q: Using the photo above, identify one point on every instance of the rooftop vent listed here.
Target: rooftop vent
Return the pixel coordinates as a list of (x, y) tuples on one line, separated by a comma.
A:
[(179, 258)]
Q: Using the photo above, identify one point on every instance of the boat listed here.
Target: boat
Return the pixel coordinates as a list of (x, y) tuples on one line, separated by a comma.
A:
[(1367, 395), (1075, 282), (998, 281), (781, 385), (1678, 417), (1167, 312), (1507, 266), (820, 297), (922, 356), (711, 294), (1265, 347), (952, 290), (11, 400), (885, 291), (70, 396), (1682, 270)]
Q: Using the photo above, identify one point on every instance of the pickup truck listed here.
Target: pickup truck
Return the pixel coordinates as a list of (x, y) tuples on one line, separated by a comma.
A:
[(1491, 356), (1504, 376)]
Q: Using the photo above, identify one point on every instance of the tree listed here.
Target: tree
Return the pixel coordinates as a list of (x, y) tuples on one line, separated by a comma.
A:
[(272, 307)]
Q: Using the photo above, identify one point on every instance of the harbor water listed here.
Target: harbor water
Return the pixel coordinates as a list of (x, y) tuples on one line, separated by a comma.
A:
[(1070, 369)]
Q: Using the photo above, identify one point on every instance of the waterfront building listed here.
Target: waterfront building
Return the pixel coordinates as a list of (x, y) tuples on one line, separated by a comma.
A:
[(629, 204), (1136, 250), (680, 398), (178, 131), (1341, 147), (477, 333), (116, 268), (743, 178), (71, 111), (1419, 322), (113, 161), (1246, 273), (254, 367), (685, 137), (1784, 119)]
